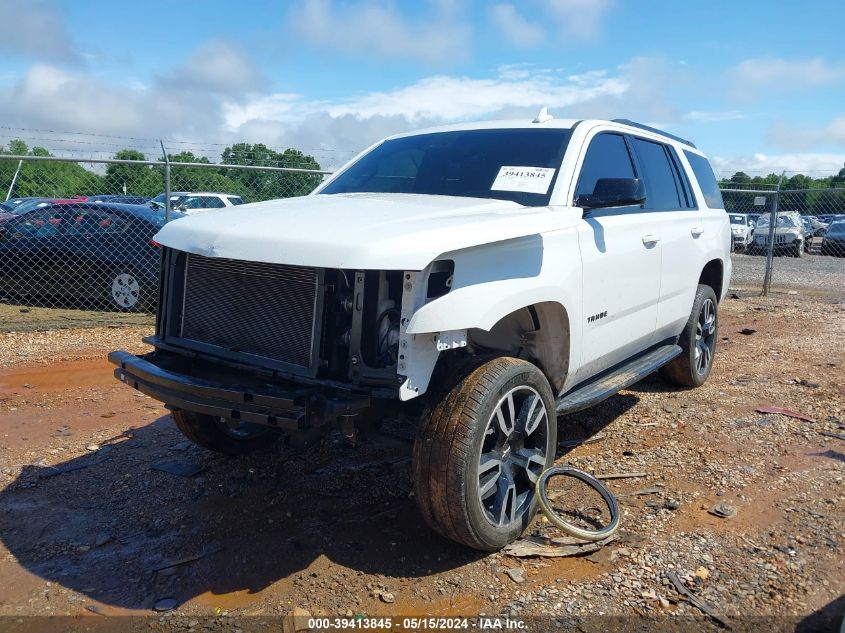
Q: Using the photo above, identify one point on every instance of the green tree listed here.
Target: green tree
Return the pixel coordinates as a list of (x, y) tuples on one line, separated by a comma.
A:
[(264, 185), (46, 178), (138, 180)]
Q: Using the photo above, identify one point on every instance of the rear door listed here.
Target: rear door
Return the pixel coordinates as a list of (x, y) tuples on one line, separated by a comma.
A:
[(620, 251), (674, 212)]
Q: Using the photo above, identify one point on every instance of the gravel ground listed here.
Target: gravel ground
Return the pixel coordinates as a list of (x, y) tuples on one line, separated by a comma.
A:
[(18, 318), (817, 273), (88, 528)]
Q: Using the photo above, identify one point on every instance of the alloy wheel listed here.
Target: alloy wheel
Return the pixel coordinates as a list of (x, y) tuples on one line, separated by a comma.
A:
[(705, 337), (512, 455)]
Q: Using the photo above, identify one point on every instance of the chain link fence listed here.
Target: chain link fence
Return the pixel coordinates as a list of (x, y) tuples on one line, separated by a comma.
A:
[(802, 250), (76, 237), (77, 247)]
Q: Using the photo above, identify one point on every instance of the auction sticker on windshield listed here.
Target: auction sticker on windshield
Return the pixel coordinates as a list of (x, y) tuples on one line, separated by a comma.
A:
[(524, 179)]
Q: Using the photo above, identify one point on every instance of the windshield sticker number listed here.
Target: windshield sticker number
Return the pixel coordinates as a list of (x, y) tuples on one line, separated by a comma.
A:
[(524, 179)]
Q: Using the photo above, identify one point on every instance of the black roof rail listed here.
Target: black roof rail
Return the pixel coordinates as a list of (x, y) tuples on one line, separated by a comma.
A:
[(655, 130)]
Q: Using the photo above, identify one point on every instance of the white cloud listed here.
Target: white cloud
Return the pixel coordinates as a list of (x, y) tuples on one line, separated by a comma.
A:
[(579, 19), (35, 29), (216, 66), (801, 137), (812, 164), (516, 29), (373, 28), (709, 116), (784, 74), (457, 98), (272, 107)]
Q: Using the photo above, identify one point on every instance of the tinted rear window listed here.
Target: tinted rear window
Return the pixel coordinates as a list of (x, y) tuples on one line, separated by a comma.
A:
[(706, 180), (462, 163)]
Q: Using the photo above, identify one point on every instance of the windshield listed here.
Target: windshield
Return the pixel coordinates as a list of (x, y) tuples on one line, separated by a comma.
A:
[(783, 221), (737, 219), (174, 199), (836, 228), (507, 164), (29, 205)]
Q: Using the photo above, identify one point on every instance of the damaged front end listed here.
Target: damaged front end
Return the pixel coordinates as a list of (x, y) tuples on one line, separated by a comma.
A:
[(290, 347)]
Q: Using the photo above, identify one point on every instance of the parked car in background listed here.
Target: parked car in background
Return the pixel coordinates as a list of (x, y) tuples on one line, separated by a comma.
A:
[(817, 226), (808, 229), (69, 252), (742, 228), (158, 201), (119, 199), (788, 237), (833, 242), (195, 202)]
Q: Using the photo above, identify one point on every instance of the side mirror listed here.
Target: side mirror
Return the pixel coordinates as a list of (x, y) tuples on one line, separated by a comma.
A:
[(613, 192)]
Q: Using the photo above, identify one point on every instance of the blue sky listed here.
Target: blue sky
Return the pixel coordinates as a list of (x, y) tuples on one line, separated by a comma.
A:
[(759, 86)]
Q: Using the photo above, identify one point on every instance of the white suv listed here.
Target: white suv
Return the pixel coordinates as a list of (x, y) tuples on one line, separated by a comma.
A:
[(742, 230), (190, 202), (486, 278)]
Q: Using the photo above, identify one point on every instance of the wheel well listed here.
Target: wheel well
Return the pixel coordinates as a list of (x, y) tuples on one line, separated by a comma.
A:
[(538, 333), (712, 276)]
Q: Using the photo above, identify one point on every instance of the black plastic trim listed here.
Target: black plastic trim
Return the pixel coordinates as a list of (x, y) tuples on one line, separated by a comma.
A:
[(616, 378), (648, 128)]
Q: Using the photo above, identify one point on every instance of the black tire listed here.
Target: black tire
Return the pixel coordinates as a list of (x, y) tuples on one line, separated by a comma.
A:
[(797, 250), (685, 370), (208, 432), (463, 431)]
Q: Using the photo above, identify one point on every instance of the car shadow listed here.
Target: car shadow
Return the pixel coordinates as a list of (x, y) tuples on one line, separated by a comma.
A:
[(107, 525), (831, 617), (576, 428)]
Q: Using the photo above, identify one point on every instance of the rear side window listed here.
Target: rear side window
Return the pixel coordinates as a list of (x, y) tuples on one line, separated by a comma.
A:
[(607, 157), (706, 180), (661, 186)]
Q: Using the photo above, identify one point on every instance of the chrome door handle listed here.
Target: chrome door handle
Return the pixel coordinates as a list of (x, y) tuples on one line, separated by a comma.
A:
[(696, 231), (650, 238)]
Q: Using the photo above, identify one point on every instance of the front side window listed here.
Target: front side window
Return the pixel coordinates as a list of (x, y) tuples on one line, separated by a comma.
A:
[(235, 200), (607, 157), (464, 163)]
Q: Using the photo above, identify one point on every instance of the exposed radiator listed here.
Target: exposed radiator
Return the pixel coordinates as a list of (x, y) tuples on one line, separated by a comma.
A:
[(266, 310)]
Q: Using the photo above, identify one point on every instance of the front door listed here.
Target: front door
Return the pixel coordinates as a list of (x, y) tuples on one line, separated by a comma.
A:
[(620, 253)]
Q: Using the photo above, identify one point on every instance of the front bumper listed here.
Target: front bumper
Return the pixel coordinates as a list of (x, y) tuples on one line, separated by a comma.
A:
[(779, 246), (291, 409)]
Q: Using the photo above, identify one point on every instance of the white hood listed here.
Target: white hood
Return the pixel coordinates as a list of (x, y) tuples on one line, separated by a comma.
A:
[(358, 230)]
